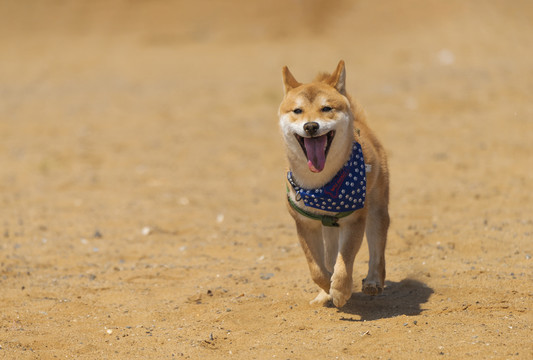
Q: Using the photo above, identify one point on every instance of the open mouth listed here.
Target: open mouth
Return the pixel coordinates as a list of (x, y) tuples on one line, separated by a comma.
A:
[(316, 149)]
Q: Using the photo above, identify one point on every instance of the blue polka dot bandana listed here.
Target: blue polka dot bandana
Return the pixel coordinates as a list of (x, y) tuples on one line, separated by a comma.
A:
[(345, 192)]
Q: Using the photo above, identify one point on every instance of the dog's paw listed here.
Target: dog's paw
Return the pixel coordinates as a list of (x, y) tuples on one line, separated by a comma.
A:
[(371, 287), (339, 298), (321, 299)]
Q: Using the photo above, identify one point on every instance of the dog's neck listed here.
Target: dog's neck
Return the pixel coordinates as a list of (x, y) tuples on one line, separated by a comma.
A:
[(337, 157)]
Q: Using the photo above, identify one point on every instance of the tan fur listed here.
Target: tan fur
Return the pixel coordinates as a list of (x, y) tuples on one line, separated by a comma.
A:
[(330, 252)]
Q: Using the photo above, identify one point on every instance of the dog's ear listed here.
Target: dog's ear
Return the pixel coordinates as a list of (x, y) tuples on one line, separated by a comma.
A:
[(338, 78), (289, 82)]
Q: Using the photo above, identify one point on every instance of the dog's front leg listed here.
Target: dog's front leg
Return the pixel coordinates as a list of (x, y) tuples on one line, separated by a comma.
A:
[(351, 236), (310, 236), (330, 238), (331, 246), (376, 235)]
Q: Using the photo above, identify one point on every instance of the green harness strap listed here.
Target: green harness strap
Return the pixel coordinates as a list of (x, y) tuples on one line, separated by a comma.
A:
[(327, 220)]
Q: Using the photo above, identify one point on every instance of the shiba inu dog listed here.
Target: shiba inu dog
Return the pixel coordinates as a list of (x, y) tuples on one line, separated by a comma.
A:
[(337, 185)]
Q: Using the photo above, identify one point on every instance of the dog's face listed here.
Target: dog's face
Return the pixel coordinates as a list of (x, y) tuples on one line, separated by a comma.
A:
[(315, 119)]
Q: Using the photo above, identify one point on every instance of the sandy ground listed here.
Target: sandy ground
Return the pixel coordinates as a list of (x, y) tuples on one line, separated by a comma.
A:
[(142, 179)]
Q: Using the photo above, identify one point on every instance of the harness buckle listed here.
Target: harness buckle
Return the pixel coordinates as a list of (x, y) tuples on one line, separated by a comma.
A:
[(331, 221)]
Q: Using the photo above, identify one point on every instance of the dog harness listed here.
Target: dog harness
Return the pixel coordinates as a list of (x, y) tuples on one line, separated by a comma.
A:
[(342, 195)]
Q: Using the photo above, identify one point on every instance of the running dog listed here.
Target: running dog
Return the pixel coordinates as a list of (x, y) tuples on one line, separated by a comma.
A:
[(337, 185)]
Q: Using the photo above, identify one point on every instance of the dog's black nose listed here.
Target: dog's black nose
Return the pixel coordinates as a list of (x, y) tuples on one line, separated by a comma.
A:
[(311, 128)]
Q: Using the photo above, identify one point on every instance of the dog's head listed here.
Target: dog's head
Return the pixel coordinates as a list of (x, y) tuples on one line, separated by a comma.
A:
[(316, 121)]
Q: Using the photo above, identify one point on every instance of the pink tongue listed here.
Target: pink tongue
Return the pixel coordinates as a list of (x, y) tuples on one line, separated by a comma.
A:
[(316, 152)]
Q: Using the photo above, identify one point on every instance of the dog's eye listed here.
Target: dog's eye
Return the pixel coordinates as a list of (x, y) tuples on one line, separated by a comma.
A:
[(297, 111), (326, 109)]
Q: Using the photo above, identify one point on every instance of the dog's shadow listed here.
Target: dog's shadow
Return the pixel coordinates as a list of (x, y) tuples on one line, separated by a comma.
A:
[(398, 298)]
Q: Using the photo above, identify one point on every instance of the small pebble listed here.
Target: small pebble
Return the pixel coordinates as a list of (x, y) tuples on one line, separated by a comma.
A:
[(446, 57), (220, 218), (266, 276), (109, 331), (146, 231)]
